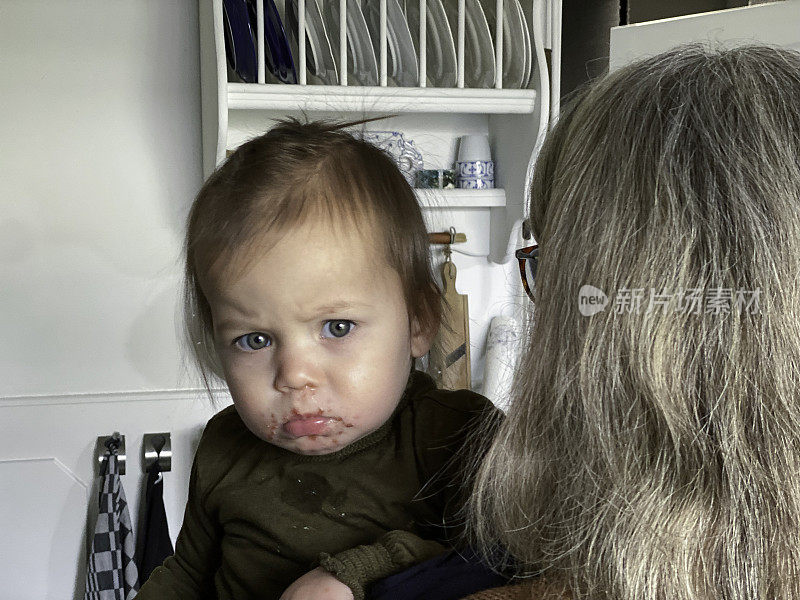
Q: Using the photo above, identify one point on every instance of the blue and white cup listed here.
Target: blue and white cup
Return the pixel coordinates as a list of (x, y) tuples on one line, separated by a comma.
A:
[(475, 183), (475, 174), (475, 168)]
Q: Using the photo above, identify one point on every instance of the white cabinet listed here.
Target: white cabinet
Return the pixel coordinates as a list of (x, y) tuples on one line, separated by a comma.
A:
[(434, 118), (774, 23)]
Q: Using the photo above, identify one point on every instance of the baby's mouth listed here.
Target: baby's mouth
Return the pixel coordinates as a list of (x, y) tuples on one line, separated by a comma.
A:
[(309, 424)]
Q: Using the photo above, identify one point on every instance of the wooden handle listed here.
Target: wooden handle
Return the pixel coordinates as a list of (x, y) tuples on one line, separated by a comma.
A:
[(443, 237)]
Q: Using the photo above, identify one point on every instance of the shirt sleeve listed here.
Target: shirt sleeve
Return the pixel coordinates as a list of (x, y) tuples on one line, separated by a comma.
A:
[(189, 573), (363, 565)]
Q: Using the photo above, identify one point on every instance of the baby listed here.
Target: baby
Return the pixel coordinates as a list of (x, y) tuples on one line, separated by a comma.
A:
[(309, 289)]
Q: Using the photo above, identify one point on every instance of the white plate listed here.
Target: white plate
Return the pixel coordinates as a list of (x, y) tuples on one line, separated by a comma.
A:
[(513, 41), (528, 49), (478, 47), (362, 67), (401, 62), (440, 63), (319, 57)]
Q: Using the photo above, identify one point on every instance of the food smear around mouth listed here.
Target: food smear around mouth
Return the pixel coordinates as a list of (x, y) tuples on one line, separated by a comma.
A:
[(307, 426)]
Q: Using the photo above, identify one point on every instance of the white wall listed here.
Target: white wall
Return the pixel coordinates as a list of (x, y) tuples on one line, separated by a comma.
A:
[(100, 114), (101, 156)]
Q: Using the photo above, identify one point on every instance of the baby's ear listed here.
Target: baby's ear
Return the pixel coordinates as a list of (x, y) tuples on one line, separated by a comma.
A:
[(421, 337)]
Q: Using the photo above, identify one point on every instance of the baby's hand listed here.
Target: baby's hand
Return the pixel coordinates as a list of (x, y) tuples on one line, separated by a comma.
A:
[(317, 585)]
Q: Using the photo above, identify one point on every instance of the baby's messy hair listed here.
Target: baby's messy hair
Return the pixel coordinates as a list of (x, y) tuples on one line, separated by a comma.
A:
[(301, 171)]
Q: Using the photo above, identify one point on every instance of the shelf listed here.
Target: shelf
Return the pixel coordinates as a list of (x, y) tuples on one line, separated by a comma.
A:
[(272, 96), (461, 198)]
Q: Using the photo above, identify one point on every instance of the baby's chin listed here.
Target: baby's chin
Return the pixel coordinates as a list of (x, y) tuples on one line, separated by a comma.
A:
[(313, 445)]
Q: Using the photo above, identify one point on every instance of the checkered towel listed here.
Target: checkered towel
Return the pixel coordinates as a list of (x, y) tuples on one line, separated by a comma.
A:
[(111, 572)]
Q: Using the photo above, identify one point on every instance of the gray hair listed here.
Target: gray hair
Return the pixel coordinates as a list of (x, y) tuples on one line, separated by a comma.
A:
[(655, 454)]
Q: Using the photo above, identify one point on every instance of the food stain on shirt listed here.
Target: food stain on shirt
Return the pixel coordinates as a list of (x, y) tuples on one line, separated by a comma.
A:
[(312, 493), (306, 492)]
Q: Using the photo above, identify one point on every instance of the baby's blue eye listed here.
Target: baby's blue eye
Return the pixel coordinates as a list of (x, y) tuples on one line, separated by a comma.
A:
[(251, 342), (337, 329)]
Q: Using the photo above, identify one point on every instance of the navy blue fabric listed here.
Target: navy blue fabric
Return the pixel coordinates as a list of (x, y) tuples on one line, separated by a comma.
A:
[(153, 545), (447, 577)]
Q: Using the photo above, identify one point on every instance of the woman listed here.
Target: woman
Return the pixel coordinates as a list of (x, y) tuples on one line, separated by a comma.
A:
[(652, 450)]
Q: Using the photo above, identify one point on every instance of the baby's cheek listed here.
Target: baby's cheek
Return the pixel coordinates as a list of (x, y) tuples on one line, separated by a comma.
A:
[(271, 430), (344, 431)]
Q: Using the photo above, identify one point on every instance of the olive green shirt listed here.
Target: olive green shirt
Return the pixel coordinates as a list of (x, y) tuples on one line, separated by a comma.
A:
[(258, 516)]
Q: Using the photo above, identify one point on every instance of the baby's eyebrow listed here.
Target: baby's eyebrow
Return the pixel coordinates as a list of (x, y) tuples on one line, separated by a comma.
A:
[(241, 317), (229, 324), (334, 306), (330, 308)]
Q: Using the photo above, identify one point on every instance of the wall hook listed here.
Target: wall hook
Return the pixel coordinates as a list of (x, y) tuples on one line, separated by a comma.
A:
[(157, 447), (108, 443)]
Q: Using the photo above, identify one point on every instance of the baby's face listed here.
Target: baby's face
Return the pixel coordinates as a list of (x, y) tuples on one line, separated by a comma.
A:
[(315, 340)]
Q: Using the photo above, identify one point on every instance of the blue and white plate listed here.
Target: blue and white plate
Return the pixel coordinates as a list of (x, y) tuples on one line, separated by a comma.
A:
[(239, 36), (277, 56), (407, 158)]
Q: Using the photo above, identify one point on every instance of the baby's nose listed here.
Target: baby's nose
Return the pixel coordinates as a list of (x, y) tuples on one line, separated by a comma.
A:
[(296, 370)]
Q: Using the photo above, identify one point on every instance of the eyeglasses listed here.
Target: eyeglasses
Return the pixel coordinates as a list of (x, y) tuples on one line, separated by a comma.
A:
[(528, 258)]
